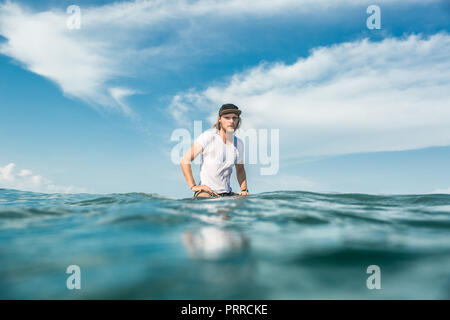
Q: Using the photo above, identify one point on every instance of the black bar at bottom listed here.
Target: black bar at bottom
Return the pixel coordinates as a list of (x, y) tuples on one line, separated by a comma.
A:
[(217, 309)]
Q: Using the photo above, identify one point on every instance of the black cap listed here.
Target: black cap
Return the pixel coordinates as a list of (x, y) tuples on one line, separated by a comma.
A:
[(229, 108)]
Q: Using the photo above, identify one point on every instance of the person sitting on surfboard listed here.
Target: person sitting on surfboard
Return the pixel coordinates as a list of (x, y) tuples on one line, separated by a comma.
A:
[(220, 150)]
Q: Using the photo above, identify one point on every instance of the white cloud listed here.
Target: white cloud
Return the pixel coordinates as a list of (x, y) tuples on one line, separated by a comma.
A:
[(109, 45), (119, 95), (359, 96), (24, 173), (150, 12), (442, 191), (81, 65), (25, 180)]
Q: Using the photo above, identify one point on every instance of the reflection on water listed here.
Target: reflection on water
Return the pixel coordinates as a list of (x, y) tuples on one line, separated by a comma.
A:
[(214, 243)]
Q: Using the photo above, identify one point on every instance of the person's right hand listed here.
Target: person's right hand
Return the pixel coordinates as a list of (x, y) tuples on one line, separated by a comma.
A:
[(203, 187)]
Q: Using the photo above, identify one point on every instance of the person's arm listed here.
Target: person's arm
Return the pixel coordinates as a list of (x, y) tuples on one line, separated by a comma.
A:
[(242, 179), (185, 164)]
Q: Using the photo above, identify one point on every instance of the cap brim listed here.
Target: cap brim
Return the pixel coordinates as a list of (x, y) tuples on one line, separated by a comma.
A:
[(238, 112)]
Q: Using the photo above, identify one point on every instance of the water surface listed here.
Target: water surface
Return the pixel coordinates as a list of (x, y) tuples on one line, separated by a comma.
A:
[(276, 245)]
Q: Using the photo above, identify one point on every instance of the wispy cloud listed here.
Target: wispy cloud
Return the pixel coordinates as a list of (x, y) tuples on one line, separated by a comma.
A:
[(80, 64), (359, 96), (150, 12), (119, 95), (118, 39), (25, 180)]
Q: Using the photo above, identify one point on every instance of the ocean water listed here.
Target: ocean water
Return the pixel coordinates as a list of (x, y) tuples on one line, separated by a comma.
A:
[(276, 245)]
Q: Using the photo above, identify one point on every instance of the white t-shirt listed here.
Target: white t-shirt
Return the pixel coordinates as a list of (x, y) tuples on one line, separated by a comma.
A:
[(218, 160)]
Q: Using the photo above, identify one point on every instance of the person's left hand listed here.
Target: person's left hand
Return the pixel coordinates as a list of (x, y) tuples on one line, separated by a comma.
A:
[(243, 193)]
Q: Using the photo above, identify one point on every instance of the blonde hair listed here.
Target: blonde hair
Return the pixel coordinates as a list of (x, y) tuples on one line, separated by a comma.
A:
[(218, 126)]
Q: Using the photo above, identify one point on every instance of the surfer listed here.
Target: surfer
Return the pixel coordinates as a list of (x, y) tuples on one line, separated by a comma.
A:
[(220, 150)]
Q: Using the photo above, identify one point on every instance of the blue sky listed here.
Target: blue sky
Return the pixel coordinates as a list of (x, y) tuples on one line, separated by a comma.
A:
[(93, 109)]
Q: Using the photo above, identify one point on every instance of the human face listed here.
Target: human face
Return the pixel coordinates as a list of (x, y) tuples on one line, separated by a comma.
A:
[(229, 121)]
